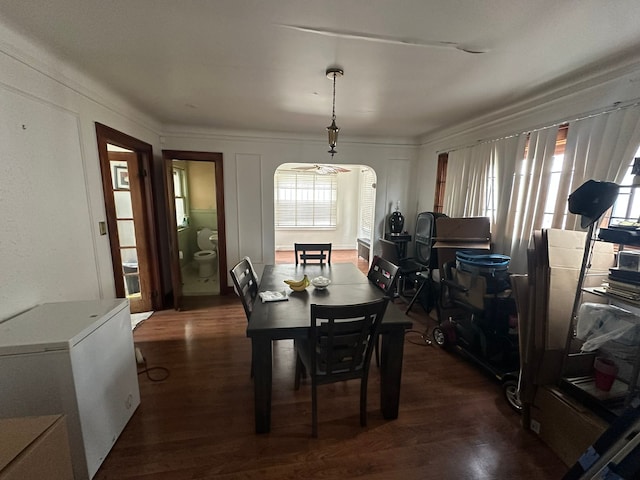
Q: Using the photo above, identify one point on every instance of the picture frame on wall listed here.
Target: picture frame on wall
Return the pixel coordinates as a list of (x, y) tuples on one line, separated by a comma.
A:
[(121, 177)]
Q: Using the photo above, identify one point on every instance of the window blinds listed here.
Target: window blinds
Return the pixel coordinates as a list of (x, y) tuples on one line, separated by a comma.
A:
[(305, 200)]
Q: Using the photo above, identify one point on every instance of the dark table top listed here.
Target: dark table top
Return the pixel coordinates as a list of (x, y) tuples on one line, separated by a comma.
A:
[(291, 318)]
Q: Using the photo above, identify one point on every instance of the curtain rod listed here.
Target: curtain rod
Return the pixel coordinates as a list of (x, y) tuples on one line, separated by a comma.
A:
[(617, 106)]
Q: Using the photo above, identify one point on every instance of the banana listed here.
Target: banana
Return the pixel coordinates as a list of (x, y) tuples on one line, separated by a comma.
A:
[(298, 285)]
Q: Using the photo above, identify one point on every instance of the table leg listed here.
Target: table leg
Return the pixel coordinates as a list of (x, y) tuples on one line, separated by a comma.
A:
[(262, 372), (391, 372)]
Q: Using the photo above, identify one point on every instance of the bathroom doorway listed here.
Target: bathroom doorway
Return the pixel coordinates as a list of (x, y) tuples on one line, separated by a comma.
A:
[(195, 202)]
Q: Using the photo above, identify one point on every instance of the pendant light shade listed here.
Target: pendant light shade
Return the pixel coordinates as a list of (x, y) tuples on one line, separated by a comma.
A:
[(333, 129)]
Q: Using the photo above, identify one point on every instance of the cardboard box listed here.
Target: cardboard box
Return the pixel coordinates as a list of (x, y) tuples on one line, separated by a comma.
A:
[(565, 253), (35, 448), (554, 270), (565, 425)]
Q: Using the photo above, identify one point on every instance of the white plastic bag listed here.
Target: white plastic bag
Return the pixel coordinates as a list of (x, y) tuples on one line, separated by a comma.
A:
[(599, 323)]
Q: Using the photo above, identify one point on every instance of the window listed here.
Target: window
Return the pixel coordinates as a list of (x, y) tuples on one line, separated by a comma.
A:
[(180, 193), (367, 201), (441, 178), (305, 200), (489, 209), (555, 175), (553, 170), (627, 206)]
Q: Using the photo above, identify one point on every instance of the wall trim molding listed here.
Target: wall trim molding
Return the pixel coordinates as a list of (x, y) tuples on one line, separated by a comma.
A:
[(548, 97)]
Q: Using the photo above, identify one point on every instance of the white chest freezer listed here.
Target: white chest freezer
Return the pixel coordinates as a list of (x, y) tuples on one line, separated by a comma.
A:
[(74, 358)]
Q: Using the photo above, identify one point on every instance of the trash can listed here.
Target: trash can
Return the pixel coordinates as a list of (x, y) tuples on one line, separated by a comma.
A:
[(131, 277)]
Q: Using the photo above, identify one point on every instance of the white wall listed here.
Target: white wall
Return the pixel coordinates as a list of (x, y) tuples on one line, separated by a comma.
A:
[(50, 185), (250, 162)]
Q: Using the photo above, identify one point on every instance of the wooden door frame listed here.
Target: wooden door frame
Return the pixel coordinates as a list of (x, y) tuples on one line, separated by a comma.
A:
[(168, 156), (107, 135)]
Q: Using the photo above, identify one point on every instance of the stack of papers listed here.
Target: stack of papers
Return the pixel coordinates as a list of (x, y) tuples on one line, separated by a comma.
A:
[(273, 296)]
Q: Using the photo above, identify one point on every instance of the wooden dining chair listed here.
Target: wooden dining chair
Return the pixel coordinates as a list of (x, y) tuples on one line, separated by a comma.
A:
[(246, 286), (312, 253), (383, 274), (339, 348)]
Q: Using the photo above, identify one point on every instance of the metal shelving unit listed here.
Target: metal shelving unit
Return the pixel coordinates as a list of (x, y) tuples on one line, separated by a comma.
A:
[(578, 375)]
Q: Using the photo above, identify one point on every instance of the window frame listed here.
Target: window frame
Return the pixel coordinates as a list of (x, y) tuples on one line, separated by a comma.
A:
[(367, 199), (182, 179), (303, 196)]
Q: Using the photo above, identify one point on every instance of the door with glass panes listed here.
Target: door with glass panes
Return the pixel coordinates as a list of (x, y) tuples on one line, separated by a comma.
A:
[(127, 194)]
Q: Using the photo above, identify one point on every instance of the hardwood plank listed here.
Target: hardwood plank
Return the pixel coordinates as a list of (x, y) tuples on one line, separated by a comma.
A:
[(199, 422)]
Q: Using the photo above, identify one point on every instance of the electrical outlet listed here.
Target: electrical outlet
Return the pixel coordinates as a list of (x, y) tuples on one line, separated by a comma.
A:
[(535, 426)]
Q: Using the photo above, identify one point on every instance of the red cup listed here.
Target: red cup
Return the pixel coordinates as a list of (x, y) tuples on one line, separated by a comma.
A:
[(605, 373)]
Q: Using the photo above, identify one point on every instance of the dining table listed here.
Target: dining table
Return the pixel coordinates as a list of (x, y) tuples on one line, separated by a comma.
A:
[(291, 319)]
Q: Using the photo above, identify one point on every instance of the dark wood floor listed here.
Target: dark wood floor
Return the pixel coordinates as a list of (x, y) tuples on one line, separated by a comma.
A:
[(198, 423)]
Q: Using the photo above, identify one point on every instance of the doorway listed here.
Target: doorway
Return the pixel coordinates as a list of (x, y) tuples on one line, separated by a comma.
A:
[(197, 240), (125, 163), (324, 203)]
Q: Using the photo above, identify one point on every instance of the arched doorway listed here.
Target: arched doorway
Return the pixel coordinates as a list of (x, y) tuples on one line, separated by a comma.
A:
[(324, 203)]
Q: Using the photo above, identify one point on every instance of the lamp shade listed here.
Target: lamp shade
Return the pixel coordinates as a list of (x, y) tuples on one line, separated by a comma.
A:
[(332, 131)]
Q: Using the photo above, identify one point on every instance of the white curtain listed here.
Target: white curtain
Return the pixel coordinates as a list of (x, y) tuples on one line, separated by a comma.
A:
[(530, 188), (508, 154), (467, 186), (600, 148), (476, 173)]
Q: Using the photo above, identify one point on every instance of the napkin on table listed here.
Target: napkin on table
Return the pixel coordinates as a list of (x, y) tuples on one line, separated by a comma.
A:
[(268, 296)]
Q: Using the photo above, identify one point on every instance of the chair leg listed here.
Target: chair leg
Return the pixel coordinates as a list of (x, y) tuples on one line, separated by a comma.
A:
[(415, 296), (425, 282), (363, 402), (299, 368), (376, 351), (314, 410)]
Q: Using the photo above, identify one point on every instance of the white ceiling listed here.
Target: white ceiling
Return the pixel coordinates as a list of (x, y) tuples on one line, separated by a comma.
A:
[(238, 64)]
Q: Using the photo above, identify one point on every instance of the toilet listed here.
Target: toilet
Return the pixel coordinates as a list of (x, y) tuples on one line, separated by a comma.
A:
[(207, 257)]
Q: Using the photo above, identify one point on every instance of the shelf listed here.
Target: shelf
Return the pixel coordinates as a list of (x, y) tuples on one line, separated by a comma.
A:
[(607, 405), (577, 379), (600, 292)]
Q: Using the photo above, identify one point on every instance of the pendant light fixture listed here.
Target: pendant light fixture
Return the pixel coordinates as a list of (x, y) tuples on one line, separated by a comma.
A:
[(333, 129)]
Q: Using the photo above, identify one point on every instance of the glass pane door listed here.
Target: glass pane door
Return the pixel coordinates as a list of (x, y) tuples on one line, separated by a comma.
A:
[(126, 228)]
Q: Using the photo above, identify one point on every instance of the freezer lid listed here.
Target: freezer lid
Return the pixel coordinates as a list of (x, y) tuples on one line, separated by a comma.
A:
[(56, 326)]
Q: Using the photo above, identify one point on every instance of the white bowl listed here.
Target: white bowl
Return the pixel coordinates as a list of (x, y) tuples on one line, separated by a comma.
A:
[(320, 282)]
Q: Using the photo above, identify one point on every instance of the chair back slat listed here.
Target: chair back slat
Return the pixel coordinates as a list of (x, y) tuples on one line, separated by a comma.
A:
[(246, 284), (383, 274), (342, 337), (312, 253)]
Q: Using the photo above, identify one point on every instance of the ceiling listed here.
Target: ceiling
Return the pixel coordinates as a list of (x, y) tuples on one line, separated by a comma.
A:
[(259, 65)]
